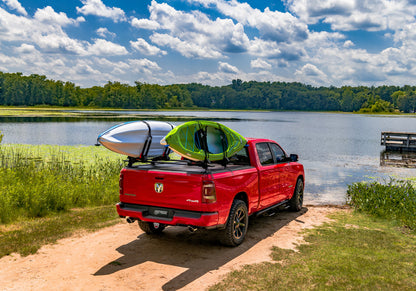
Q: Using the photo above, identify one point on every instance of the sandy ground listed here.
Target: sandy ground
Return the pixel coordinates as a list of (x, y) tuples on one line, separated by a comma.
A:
[(122, 257)]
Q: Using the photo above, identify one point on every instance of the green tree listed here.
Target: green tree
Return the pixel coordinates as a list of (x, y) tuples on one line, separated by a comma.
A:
[(405, 100)]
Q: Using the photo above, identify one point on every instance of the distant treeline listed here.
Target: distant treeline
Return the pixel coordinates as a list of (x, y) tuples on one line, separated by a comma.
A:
[(18, 90)]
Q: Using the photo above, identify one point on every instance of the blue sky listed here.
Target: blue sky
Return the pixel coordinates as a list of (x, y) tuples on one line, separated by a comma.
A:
[(317, 42)]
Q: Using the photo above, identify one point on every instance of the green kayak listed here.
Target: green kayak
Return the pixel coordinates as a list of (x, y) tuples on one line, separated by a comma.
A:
[(204, 140)]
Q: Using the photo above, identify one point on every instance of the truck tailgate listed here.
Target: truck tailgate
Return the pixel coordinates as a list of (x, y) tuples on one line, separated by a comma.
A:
[(163, 188)]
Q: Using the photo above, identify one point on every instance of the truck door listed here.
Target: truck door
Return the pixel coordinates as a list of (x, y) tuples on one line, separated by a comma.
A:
[(282, 170), (269, 177)]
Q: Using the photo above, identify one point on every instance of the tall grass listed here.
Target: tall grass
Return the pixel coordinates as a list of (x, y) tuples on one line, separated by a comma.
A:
[(393, 200), (36, 181)]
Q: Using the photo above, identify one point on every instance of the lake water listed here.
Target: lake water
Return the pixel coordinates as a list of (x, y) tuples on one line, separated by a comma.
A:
[(335, 149)]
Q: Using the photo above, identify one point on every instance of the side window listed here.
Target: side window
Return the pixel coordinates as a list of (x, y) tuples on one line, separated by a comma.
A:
[(278, 152), (264, 153)]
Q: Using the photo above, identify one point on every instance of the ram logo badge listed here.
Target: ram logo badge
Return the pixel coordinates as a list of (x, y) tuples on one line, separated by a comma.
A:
[(159, 187)]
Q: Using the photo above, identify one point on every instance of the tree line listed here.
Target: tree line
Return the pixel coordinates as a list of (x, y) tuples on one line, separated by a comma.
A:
[(19, 90)]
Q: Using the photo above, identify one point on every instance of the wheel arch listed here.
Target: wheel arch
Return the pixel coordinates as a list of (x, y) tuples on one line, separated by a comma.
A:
[(302, 178), (242, 196)]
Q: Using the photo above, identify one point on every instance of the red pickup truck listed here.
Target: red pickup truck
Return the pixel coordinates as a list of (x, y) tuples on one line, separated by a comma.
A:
[(258, 179)]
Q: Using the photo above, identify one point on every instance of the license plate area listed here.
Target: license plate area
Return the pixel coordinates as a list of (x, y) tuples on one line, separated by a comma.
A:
[(160, 212)]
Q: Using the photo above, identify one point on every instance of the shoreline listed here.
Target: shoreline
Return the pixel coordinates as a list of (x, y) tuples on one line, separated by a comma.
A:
[(82, 112)]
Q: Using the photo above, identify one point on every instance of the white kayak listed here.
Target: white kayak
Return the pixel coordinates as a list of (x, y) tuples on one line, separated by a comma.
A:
[(136, 138)]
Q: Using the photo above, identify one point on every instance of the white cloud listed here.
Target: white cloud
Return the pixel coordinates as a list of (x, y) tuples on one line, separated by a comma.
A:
[(270, 45), (83, 68), (227, 68), (144, 47), (346, 15), (26, 49), (44, 30), (260, 64), (109, 64), (348, 43), (263, 48), (143, 66), (311, 74), (145, 24), (116, 68), (15, 28), (7, 60), (272, 25), (193, 34), (48, 15), (15, 5), (58, 42), (104, 32), (310, 70), (186, 48), (98, 8), (105, 47)]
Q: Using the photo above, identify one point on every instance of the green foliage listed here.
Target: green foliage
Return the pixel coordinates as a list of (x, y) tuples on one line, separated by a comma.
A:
[(18, 90), (394, 200), (405, 100), (379, 106), (1, 136), (36, 181)]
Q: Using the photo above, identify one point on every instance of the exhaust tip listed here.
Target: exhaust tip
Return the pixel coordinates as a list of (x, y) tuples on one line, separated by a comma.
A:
[(192, 229), (130, 220)]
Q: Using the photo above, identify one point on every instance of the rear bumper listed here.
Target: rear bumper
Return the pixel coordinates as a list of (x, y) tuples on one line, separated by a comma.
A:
[(169, 216)]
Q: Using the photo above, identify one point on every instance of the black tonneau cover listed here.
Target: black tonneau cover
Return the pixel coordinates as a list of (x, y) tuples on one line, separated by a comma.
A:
[(185, 167)]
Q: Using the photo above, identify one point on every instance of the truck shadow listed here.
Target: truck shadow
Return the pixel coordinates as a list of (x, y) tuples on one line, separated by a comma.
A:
[(198, 252)]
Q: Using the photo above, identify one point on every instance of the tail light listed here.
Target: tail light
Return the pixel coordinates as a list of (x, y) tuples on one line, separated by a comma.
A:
[(120, 183), (208, 192)]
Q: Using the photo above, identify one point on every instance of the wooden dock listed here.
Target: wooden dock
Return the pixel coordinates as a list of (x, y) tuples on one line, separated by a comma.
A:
[(398, 141), (397, 159)]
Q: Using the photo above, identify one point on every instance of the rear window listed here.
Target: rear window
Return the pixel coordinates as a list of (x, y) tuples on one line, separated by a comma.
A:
[(241, 157)]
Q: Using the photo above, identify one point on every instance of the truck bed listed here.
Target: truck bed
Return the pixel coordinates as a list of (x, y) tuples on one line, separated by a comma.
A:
[(182, 166)]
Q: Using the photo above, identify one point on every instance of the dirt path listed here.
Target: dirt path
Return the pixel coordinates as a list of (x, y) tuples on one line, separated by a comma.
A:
[(124, 258)]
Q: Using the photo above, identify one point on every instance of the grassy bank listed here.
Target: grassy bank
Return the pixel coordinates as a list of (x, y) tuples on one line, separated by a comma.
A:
[(50, 192), (355, 252), (370, 248), (37, 181)]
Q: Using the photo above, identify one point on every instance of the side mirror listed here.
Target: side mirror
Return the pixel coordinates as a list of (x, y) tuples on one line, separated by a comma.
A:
[(294, 157)]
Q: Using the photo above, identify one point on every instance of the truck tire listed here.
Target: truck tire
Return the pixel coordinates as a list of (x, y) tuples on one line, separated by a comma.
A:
[(296, 201), (237, 223), (151, 227)]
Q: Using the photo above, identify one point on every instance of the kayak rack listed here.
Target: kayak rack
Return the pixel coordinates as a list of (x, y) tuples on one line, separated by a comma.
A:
[(164, 159), (201, 141), (143, 157)]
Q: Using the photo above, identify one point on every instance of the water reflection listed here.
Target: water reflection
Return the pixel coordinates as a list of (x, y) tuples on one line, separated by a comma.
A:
[(398, 159)]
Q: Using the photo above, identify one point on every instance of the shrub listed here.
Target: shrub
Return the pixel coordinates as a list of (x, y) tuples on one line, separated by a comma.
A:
[(393, 200)]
